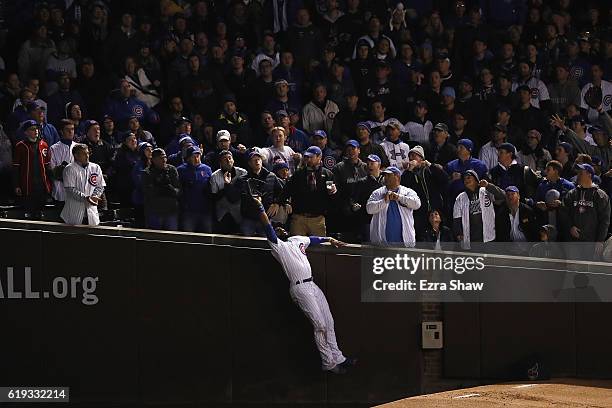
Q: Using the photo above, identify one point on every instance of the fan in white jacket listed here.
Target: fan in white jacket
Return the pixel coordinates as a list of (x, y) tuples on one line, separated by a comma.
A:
[(61, 156), (396, 150), (393, 204), (84, 185), (475, 208)]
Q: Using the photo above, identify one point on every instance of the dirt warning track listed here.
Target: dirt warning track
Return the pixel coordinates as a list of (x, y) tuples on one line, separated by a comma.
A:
[(554, 393)]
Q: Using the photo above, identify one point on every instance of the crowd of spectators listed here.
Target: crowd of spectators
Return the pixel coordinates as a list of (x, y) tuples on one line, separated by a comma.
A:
[(448, 122)]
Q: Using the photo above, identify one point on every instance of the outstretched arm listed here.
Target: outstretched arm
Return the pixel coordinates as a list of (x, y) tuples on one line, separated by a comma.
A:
[(263, 217), (319, 240)]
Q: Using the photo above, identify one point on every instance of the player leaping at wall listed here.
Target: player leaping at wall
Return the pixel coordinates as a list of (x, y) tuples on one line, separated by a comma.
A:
[(290, 252)]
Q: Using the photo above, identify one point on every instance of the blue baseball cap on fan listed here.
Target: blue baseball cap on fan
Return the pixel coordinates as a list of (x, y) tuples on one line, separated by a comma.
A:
[(312, 151), (320, 133)]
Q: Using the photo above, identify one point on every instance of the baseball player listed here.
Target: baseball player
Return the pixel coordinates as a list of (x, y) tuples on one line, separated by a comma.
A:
[(61, 156), (290, 252), (83, 185)]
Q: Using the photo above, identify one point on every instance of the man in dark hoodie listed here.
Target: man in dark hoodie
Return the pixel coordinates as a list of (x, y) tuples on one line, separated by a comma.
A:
[(347, 174), (429, 181), (262, 183), (363, 191), (587, 211), (161, 188)]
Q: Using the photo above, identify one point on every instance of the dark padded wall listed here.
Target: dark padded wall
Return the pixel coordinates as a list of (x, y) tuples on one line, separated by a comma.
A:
[(196, 322)]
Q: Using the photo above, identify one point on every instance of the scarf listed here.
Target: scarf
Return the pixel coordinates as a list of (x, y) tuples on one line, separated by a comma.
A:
[(311, 179)]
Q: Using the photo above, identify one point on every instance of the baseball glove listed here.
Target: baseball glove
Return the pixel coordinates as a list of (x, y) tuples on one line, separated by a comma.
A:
[(593, 97)]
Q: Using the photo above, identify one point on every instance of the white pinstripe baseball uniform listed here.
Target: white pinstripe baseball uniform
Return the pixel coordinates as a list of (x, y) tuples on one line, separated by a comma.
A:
[(60, 152), (291, 254), (81, 182)]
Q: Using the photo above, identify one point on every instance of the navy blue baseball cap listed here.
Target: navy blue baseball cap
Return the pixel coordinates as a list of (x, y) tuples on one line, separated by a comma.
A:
[(178, 122), (143, 145), (254, 153), (587, 167), (352, 142), (313, 151), (392, 170), (512, 189), (28, 124), (185, 138), (279, 165), (192, 150), (509, 147), (320, 133), (374, 158), (566, 146), (471, 173), (90, 123), (32, 106), (364, 125), (467, 143)]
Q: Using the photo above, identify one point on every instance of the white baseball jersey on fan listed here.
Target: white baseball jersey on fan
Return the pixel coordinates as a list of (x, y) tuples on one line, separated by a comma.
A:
[(539, 91), (60, 152), (79, 183), (291, 254), (606, 100)]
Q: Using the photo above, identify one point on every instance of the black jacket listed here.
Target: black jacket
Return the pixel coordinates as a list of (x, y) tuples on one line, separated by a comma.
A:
[(161, 189), (372, 148), (527, 223), (363, 191), (428, 238), (346, 177), (265, 184), (303, 199), (522, 177), (102, 153), (589, 210), (441, 155), (430, 184)]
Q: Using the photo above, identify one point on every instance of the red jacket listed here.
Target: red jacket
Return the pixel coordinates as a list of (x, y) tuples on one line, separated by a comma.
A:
[(26, 156)]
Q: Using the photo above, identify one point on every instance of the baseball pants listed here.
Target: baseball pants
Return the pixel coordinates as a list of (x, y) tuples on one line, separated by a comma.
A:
[(312, 301)]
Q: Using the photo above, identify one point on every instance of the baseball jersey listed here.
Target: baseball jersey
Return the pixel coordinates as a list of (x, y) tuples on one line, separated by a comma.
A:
[(539, 91), (419, 132), (397, 153), (79, 183), (271, 154), (60, 152), (291, 254), (606, 100)]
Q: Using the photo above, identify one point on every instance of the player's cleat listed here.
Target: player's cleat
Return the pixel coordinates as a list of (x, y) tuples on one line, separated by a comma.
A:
[(338, 369), (348, 363)]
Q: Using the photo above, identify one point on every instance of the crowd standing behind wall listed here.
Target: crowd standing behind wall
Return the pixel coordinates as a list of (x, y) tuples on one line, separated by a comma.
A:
[(448, 122)]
